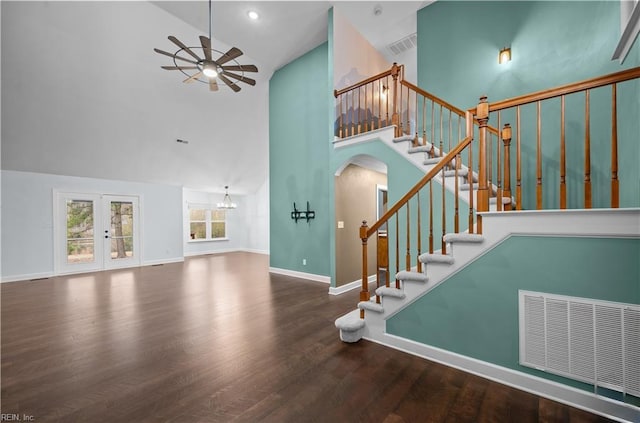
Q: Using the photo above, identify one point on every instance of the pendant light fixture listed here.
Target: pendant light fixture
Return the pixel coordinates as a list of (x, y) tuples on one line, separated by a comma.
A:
[(226, 201)]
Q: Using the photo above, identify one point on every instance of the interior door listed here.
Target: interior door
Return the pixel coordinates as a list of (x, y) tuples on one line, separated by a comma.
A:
[(120, 231)]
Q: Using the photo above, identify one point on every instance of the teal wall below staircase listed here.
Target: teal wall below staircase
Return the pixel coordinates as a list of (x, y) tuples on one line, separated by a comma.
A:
[(475, 311)]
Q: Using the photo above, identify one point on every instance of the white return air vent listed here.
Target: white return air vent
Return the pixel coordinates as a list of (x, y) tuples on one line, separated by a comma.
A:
[(597, 342), (403, 44)]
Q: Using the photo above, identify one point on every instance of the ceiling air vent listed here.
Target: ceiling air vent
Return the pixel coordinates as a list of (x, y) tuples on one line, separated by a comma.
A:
[(403, 44)]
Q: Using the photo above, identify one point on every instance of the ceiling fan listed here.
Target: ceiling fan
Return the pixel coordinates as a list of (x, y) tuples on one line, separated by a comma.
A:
[(206, 69)]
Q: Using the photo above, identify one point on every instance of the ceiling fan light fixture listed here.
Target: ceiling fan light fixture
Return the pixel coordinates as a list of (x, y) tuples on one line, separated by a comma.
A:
[(210, 71)]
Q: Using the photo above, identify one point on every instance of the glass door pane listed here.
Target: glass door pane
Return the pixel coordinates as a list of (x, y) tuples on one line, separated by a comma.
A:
[(80, 232), (121, 228)]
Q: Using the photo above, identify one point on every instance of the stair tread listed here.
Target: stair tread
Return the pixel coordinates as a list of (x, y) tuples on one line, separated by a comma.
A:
[(463, 237), (461, 172), (370, 306), (466, 187), (403, 138), (420, 149), (505, 200), (405, 275), (432, 160), (385, 291), (350, 321), (436, 258)]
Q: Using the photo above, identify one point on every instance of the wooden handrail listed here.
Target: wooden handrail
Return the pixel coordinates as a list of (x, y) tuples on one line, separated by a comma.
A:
[(421, 183), (566, 89), (394, 70), (444, 104)]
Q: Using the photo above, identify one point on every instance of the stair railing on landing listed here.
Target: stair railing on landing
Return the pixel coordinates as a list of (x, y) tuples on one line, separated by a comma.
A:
[(450, 166)]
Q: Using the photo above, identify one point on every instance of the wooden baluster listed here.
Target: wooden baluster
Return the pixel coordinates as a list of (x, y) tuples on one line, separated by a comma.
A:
[(539, 156), (380, 103), (424, 120), (490, 163), (408, 255), (400, 121), (397, 250), (456, 215), (419, 242), (563, 158), (482, 113), (441, 140), (387, 94), (498, 169), (365, 110), (432, 153), (444, 214), (506, 138), (430, 217), (469, 120), (364, 292), (587, 153), (416, 141), (408, 128), (339, 107), (450, 129), (518, 164), (359, 109), (615, 184)]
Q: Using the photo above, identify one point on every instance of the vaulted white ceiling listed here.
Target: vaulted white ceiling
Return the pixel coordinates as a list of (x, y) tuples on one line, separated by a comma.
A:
[(83, 93)]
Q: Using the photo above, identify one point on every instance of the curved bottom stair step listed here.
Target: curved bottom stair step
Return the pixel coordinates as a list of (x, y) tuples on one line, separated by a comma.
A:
[(351, 326)]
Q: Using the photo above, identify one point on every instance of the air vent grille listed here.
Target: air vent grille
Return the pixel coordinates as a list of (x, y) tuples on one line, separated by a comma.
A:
[(592, 341), (403, 44)]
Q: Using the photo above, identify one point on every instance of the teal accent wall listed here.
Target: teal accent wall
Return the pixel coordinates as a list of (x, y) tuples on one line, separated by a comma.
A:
[(553, 43), (299, 134), (475, 311)]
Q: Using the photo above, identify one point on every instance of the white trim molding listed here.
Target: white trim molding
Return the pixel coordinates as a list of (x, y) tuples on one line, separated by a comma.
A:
[(301, 275), (350, 286), (630, 28)]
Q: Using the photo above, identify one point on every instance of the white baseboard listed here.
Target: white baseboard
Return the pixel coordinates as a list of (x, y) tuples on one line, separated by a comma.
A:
[(218, 251), (555, 391), (27, 277), (163, 261), (301, 275), (350, 286), (252, 250)]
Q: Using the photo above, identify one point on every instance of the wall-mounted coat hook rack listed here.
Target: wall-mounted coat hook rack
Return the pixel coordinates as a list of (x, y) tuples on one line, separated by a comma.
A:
[(302, 214)]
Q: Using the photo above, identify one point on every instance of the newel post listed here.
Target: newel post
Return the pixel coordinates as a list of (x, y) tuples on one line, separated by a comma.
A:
[(364, 293), (395, 119), (506, 138), (482, 114)]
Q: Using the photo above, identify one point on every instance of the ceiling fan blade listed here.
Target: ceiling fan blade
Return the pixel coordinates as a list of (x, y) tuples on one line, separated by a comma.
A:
[(231, 85), (213, 85), (193, 77), (240, 78), (206, 46), (179, 67), (173, 56), (177, 42), (230, 55), (242, 68)]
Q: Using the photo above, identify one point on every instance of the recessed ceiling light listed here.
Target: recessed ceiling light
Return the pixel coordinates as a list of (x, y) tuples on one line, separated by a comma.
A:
[(253, 15)]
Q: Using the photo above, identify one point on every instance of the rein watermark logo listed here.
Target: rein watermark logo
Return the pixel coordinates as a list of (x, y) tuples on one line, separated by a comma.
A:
[(6, 417)]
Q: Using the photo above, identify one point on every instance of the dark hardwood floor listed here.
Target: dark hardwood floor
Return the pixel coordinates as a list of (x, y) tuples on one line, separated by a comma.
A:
[(219, 339)]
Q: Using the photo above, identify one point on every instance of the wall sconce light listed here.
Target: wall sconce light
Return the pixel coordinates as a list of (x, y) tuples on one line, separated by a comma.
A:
[(505, 55)]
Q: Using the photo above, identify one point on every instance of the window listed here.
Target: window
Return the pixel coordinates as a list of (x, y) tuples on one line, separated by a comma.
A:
[(207, 222)]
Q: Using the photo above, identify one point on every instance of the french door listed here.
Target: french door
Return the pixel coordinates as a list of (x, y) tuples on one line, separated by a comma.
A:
[(96, 232)]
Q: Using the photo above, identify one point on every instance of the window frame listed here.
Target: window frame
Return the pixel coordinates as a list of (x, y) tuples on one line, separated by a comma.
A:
[(209, 210)]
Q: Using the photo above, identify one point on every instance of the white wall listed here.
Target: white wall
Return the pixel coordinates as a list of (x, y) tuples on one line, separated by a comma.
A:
[(354, 58), (27, 220), (257, 219)]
